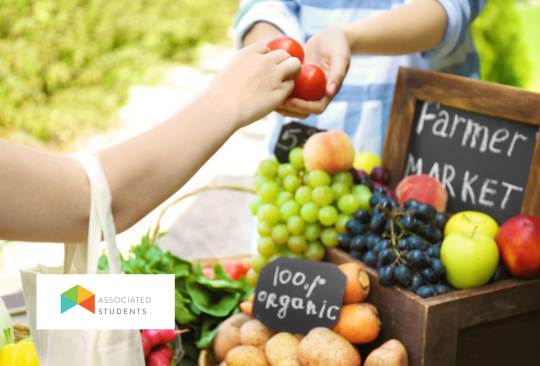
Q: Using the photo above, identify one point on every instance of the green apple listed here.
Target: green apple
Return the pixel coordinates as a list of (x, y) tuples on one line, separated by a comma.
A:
[(366, 161), (470, 258), (468, 221)]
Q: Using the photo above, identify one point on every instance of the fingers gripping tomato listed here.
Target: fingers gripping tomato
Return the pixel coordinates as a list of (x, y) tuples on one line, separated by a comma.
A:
[(311, 84), (289, 45)]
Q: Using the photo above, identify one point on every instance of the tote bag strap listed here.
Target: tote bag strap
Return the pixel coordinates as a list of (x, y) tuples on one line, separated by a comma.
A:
[(101, 219)]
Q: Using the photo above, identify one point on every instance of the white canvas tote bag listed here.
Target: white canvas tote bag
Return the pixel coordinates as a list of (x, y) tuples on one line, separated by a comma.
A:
[(84, 347)]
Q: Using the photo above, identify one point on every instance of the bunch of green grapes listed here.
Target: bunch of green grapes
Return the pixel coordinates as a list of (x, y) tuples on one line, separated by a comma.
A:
[(300, 213)]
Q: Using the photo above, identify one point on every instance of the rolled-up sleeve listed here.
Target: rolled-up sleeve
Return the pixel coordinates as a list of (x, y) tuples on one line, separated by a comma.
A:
[(460, 14), (283, 14)]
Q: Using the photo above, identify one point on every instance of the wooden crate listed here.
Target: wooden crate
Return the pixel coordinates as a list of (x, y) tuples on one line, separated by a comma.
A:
[(496, 324)]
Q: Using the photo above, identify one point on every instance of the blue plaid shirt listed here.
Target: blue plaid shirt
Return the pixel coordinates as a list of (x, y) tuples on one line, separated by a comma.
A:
[(362, 106)]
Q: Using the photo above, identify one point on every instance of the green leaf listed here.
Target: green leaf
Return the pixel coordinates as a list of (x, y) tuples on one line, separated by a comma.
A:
[(182, 312), (210, 300), (194, 309), (220, 273), (209, 328)]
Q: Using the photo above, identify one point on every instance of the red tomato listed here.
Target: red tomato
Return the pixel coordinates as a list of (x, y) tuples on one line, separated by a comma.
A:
[(288, 44), (311, 84), (234, 269)]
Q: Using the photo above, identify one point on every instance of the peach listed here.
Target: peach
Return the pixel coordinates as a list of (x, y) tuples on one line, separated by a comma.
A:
[(331, 151), (424, 189)]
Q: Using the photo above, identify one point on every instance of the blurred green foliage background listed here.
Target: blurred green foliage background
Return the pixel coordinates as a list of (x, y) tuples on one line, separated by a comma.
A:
[(66, 65), (507, 35)]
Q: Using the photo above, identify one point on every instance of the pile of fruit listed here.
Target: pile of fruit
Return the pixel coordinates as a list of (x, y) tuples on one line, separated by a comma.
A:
[(318, 200), (242, 340), (303, 206), (403, 243)]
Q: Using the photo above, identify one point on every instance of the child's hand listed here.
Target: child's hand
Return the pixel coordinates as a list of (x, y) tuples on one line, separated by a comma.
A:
[(330, 51), (254, 83)]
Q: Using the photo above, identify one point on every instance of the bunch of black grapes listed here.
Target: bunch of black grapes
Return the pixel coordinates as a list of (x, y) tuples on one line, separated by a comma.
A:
[(402, 243)]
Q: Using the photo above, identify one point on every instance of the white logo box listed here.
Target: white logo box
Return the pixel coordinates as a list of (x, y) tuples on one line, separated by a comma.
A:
[(124, 295)]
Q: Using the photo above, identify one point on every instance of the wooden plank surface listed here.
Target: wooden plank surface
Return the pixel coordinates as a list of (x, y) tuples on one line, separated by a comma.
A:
[(441, 337), (474, 95), (531, 202), (398, 131), (492, 302), (507, 342)]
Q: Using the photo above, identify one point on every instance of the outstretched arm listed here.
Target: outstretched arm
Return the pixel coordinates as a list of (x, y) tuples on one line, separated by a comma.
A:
[(414, 27), (46, 196)]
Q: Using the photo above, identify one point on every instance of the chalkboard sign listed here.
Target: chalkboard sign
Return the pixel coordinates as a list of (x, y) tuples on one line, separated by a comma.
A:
[(482, 161), (292, 134), (297, 295), (480, 140)]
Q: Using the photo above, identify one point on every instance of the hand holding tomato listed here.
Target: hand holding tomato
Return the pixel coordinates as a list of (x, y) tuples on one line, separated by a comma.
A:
[(330, 51), (253, 83)]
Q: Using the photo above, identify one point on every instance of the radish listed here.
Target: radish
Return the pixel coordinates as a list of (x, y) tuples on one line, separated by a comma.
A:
[(153, 336), (145, 344), (168, 335), (165, 351), (157, 359)]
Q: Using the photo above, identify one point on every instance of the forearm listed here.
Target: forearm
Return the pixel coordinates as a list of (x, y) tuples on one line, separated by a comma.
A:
[(261, 32), (415, 27), (46, 197), (148, 169)]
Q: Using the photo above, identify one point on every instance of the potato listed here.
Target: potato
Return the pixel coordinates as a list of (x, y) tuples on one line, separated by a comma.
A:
[(228, 335), (246, 356), (392, 353), (282, 350), (254, 333), (322, 347)]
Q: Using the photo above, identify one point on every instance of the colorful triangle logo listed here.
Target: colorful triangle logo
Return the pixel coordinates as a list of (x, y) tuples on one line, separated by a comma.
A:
[(77, 295)]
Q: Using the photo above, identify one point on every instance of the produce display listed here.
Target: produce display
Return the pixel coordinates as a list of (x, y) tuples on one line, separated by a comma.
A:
[(201, 303), (242, 340), (403, 243), (302, 211), (328, 196)]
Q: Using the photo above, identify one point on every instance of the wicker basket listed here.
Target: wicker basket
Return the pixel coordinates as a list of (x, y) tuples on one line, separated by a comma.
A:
[(20, 332), (207, 358)]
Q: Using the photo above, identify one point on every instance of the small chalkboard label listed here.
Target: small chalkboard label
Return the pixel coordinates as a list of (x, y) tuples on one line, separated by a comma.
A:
[(292, 134), (297, 295)]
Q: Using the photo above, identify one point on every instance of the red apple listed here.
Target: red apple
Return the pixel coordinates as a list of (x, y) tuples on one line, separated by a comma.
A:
[(380, 174), (331, 151), (518, 240), (424, 189)]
